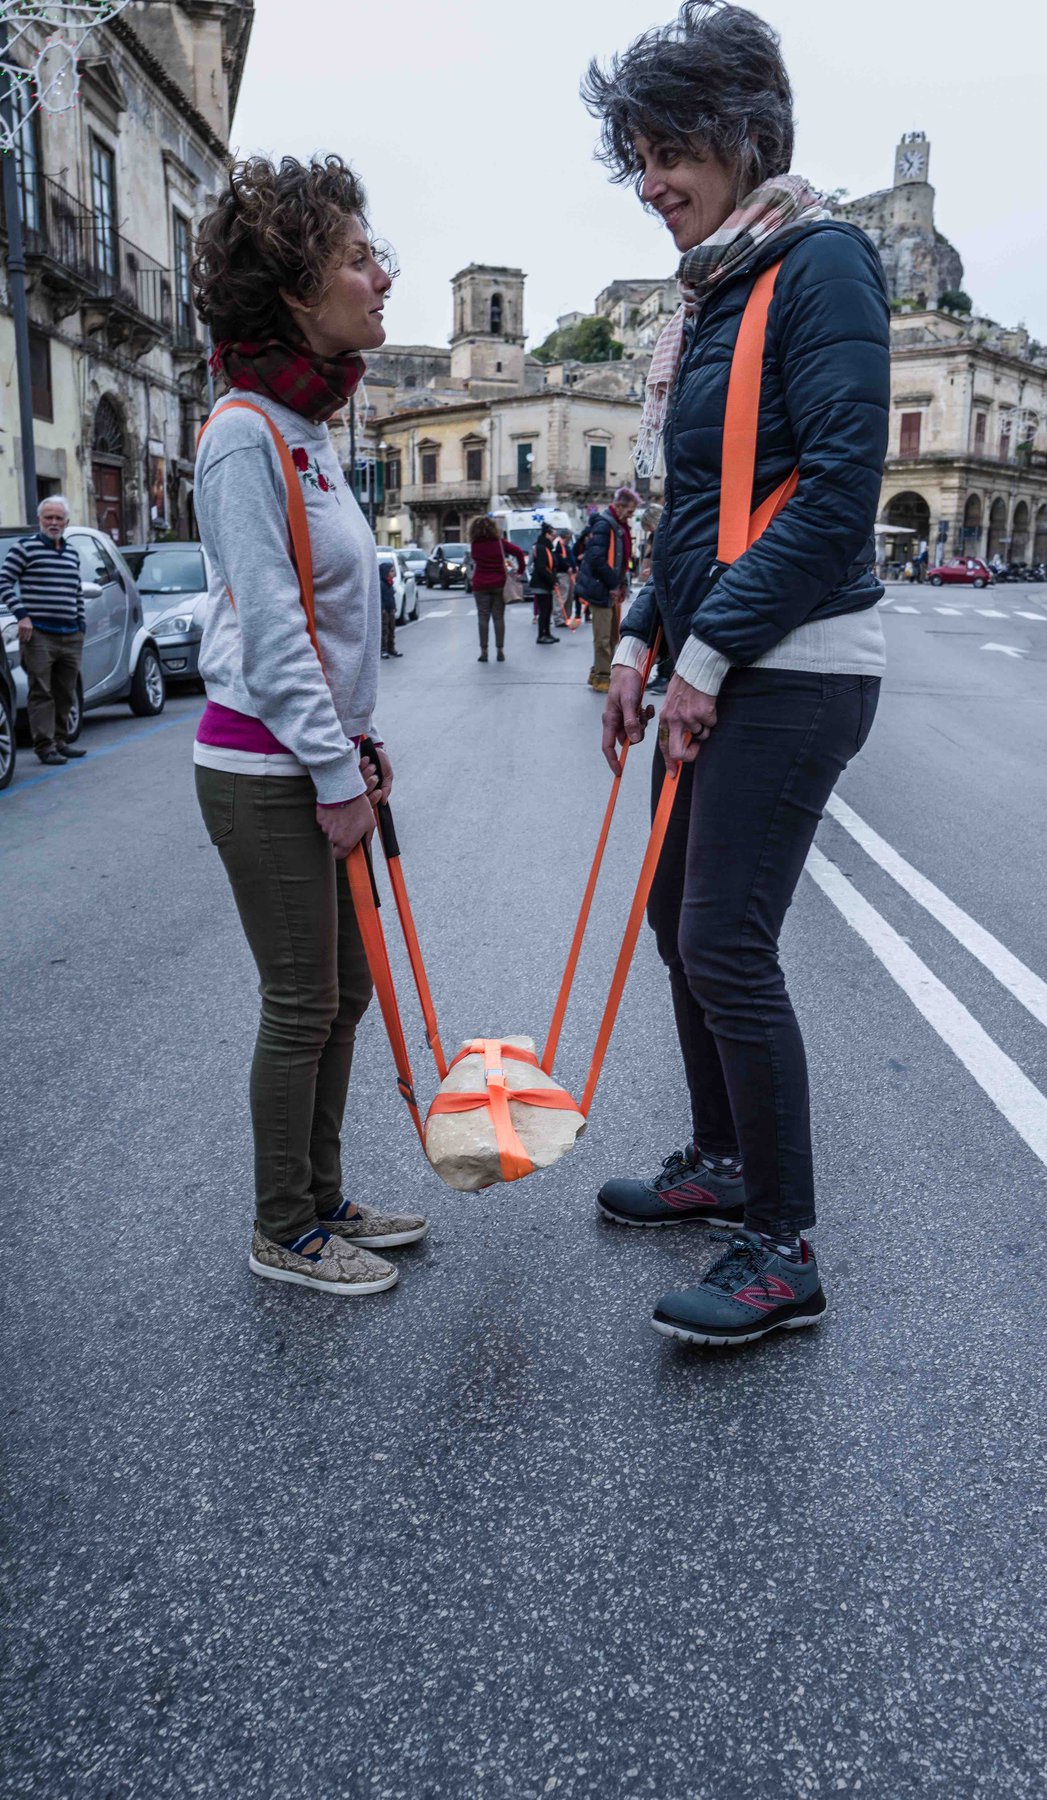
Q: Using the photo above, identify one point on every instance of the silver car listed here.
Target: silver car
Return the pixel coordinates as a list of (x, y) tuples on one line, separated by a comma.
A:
[(172, 585), (121, 660)]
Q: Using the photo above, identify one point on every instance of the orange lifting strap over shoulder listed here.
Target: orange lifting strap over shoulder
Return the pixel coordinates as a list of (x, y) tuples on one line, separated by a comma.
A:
[(740, 526)]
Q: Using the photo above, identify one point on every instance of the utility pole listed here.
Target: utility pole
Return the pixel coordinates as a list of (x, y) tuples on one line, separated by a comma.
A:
[(16, 286)]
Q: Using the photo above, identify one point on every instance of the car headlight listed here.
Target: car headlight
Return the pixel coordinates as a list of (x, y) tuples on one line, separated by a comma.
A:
[(178, 625)]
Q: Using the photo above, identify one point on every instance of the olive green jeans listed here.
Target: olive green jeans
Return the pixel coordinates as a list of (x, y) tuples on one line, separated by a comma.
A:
[(297, 913)]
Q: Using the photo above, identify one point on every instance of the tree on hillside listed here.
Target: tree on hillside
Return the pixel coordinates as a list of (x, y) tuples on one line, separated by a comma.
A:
[(591, 340)]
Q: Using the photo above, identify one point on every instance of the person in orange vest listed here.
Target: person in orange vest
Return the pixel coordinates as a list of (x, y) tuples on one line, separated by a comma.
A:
[(543, 580)]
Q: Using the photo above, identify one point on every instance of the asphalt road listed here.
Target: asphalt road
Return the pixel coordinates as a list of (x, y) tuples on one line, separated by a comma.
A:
[(487, 1535)]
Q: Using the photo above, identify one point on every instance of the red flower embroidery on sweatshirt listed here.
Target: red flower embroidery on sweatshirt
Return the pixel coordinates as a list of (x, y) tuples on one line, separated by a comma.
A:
[(300, 458)]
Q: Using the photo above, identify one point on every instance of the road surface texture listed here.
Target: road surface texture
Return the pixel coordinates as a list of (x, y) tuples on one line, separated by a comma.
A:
[(487, 1534)]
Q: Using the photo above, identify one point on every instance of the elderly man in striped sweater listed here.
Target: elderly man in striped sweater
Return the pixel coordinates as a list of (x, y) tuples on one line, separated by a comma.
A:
[(49, 607)]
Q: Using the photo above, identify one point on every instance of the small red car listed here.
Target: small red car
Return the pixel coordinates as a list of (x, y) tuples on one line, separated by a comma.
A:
[(962, 568)]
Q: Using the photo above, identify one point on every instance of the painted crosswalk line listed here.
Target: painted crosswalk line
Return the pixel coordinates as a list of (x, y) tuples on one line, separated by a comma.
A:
[(953, 611)]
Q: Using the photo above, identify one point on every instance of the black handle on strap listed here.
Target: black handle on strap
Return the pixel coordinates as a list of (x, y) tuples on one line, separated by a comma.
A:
[(383, 812)]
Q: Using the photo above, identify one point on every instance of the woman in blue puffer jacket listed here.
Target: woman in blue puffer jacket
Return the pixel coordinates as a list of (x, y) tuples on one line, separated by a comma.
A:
[(778, 657)]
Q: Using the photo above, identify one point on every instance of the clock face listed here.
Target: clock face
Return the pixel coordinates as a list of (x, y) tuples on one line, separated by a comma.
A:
[(911, 165)]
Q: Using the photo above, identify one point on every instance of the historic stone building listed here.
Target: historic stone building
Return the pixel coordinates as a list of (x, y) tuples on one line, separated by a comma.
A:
[(444, 467), (111, 193), (967, 458), (920, 264)]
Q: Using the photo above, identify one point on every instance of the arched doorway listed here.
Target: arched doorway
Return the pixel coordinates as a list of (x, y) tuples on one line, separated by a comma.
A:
[(910, 517), (997, 528), (972, 525), (1039, 541), (1020, 533), (108, 460)]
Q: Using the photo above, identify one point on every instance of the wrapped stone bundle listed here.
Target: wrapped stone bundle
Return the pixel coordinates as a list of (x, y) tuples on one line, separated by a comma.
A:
[(498, 1116)]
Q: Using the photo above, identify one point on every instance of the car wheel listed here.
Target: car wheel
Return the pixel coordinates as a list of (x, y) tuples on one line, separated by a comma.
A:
[(429, 581), (936, 581), (148, 687), (8, 750), (445, 581), (75, 723), (978, 582), (413, 616)]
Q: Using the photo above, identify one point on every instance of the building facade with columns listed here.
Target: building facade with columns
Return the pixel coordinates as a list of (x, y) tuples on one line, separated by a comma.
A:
[(111, 193)]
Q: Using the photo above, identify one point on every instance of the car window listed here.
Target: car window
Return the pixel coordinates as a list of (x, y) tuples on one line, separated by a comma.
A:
[(168, 569), (92, 567), (112, 572)]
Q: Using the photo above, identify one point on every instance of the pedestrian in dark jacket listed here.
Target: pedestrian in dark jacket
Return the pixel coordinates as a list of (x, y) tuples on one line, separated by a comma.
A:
[(489, 550), (387, 594), (778, 655), (603, 579), (543, 580)]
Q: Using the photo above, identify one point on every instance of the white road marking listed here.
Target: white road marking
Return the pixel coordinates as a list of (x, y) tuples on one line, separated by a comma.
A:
[(1010, 1090), (440, 612), (989, 612), (954, 610), (1027, 987), (909, 609), (1004, 649), (1041, 618)]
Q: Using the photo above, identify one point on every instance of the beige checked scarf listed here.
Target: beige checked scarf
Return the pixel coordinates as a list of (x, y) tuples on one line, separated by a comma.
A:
[(784, 200)]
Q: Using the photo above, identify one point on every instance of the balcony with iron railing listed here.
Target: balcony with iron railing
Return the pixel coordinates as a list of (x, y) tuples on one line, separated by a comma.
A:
[(82, 262), (442, 493)]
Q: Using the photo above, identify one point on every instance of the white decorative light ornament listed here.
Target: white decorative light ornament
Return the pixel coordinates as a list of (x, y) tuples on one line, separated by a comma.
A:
[(47, 79)]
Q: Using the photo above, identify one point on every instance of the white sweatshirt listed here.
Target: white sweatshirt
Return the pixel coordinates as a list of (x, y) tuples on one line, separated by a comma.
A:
[(256, 655)]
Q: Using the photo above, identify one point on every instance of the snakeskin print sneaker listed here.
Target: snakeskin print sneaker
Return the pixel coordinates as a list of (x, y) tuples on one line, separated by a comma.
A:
[(373, 1230), (323, 1262)]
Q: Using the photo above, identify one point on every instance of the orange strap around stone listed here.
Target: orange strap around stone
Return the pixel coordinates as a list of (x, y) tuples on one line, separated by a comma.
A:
[(498, 1095)]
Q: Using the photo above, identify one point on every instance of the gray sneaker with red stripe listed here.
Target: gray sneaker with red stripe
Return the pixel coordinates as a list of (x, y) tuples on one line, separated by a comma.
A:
[(692, 1189)]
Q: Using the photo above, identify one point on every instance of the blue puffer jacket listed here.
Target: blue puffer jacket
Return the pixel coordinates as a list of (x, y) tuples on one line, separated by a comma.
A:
[(823, 406)]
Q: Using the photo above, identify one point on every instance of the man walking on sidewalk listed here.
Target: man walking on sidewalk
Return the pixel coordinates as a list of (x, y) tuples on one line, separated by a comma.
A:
[(49, 607), (603, 580)]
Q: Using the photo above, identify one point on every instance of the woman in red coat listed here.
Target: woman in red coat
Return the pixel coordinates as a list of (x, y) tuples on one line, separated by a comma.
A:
[(488, 550)]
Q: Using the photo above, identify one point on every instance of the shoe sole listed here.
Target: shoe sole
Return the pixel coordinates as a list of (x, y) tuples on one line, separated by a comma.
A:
[(391, 1242), (346, 1288), (660, 1224), (685, 1335)]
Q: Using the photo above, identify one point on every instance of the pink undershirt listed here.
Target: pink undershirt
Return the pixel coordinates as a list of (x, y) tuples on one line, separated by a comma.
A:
[(226, 729)]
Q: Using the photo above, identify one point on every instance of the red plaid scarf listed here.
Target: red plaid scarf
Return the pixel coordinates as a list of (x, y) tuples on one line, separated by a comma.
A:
[(315, 386)]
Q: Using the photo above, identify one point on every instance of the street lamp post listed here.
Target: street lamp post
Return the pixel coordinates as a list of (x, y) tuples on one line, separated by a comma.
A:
[(16, 285)]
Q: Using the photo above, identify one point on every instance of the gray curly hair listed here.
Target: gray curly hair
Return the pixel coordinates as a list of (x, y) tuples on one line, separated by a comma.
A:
[(712, 80)]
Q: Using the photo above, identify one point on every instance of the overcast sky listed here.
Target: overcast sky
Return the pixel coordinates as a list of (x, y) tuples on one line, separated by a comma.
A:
[(463, 118)]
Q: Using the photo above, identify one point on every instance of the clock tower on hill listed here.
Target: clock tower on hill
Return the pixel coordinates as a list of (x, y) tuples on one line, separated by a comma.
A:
[(912, 159)]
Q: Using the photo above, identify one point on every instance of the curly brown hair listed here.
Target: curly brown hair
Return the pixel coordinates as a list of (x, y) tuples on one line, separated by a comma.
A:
[(273, 228), (484, 528)]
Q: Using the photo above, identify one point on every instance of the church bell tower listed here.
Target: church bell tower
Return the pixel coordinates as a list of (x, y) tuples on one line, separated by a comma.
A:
[(487, 342)]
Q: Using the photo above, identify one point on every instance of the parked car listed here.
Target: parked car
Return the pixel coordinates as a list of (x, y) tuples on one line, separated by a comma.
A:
[(446, 564), (413, 562), (403, 585), (962, 568), (172, 584), (121, 659), (8, 713)]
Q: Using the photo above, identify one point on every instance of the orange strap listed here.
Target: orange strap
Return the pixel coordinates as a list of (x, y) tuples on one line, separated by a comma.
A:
[(497, 1095), (739, 525)]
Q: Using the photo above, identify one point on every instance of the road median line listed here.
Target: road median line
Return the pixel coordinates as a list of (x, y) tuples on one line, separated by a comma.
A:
[(998, 1076), (1025, 986)]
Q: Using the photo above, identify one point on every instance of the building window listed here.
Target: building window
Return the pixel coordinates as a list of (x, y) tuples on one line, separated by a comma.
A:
[(524, 465), (1005, 441), (911, 434), (103, 201), (27, 155), (597, 465), (40, 375), (430, 464), (392, 474), (185, 318), (496, 314), (189, 422), (979, 434), (474, 465)]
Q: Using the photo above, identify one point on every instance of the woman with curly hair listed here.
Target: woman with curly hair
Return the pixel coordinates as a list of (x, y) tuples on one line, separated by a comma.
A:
[(287, 278), (488, 551), (778, 655)]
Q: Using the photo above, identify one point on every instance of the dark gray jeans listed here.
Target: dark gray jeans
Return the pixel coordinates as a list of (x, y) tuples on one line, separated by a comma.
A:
[(297, 913), (490, 604), (738, 838)]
